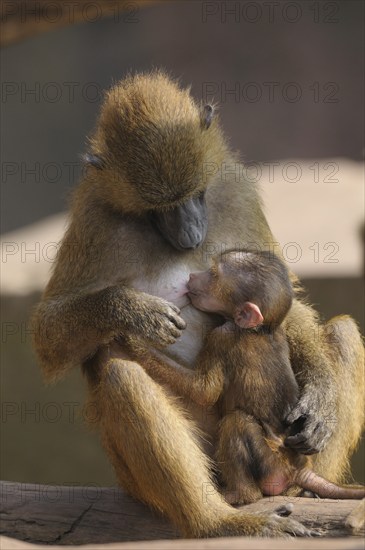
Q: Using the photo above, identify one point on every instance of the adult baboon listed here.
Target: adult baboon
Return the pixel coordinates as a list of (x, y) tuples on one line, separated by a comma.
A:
[(156, 203)]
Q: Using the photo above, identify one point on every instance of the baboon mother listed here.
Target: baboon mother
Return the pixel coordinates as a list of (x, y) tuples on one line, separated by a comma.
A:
[(162, 194)]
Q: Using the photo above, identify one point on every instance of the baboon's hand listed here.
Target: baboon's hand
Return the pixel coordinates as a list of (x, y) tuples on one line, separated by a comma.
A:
[(274, 524), (311, 424), (278, 524), (160, 321)]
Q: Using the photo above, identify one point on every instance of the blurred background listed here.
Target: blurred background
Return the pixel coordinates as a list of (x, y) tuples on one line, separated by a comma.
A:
[(288, 78)]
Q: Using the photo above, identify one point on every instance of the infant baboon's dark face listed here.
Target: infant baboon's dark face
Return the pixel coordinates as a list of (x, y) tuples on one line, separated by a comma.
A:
[(222, 289), (203, 292)]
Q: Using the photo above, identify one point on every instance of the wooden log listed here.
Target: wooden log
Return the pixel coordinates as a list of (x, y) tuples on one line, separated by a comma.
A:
[(68, 515), (237, 543)]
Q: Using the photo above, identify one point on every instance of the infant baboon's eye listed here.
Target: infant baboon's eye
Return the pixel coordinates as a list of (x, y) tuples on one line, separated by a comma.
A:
[(213, 274)]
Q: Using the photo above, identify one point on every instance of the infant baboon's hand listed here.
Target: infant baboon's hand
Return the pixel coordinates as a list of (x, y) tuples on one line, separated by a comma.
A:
[(160, 322)]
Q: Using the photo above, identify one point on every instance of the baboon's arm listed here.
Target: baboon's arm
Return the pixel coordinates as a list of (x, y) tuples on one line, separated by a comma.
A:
[(203, 385), (315, 415), (69, 329)]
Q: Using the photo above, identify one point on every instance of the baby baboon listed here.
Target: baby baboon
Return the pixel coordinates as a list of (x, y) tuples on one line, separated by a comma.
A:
[(246, 364)]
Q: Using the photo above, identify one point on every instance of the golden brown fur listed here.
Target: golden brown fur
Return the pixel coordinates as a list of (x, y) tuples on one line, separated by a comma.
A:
[(116, 275), (245, 367)]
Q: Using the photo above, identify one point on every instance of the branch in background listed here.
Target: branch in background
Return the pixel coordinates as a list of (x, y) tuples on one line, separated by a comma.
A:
[(21, 19)]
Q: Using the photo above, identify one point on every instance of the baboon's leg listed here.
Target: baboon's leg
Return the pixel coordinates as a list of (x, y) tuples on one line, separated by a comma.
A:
[(165, 465), (328, 362), (239, 438), (143, 429), (346, 350)]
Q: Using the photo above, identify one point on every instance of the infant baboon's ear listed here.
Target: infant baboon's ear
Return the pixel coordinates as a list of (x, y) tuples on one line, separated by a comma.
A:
[(93, 160), (207, 116), (248, 316)]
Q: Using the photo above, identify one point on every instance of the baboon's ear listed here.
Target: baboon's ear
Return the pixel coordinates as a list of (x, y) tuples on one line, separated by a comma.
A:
[(207, 116), (93, 160), (248, 316)]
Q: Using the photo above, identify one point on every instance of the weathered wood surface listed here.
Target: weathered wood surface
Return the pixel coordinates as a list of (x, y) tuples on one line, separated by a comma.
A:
[(237, 543), (67, 515)]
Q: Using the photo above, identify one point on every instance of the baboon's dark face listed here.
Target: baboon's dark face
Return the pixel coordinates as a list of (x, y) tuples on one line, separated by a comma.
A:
[(204, 292), (156, 143), (184, 226), (164, 165)]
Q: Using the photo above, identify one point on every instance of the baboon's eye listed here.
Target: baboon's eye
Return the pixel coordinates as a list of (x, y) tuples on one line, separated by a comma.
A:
[(213, 273), (208, 113), (93, 160)]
